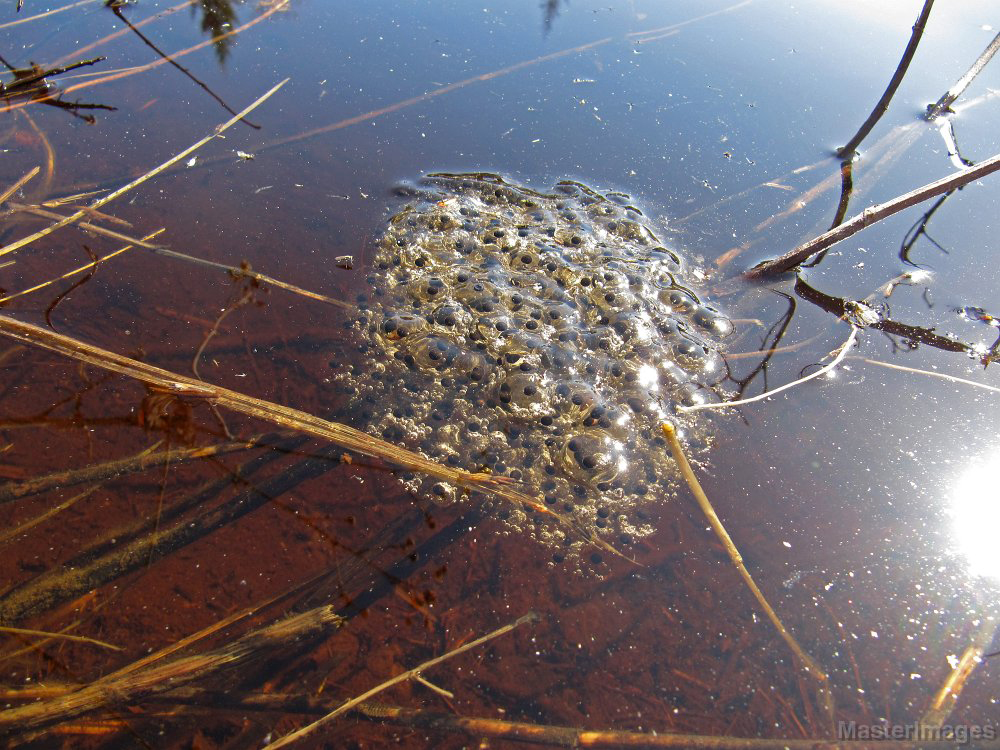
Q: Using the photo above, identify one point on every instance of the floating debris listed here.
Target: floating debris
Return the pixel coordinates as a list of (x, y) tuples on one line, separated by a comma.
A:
[(544, 337)]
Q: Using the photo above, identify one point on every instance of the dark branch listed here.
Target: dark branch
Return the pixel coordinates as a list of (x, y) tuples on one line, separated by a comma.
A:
[(847, 151)]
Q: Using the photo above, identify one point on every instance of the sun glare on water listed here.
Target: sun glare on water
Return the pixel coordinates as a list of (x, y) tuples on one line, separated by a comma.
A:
[(975, 516)]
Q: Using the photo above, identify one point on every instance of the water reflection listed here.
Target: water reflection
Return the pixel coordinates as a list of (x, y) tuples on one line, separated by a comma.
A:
[(550, 9), (975, 516), (218, 17)]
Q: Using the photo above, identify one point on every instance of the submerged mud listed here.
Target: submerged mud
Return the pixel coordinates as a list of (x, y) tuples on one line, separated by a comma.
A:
[(541, 336)]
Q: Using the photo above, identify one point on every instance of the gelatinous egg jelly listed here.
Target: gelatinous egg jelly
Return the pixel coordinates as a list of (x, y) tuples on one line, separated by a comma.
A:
[(540, 336)]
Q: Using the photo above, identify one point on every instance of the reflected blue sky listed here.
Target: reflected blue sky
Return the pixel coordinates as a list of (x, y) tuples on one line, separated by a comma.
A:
[(875, 489)]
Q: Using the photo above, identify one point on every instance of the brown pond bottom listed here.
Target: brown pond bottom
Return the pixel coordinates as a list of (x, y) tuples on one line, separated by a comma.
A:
[(671, 644)]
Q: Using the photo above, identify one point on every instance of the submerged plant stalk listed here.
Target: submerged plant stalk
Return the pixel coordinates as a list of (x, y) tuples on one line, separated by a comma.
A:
[(734, 554)]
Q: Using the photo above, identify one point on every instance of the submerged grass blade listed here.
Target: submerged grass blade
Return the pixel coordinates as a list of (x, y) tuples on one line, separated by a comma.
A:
[(139, 180), (409, 674)]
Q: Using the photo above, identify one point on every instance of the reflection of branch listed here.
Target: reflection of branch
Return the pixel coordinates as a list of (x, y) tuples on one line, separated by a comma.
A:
[(24, 78), (768, 347), (944, 103), (116, 9), (845, 152), (870, 215), (156, 63), (919, 230), (30, 84), (840, 352), (846, 188)]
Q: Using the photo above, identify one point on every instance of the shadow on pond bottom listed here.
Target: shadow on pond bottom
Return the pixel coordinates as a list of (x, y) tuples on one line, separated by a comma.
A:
[(145, 558)]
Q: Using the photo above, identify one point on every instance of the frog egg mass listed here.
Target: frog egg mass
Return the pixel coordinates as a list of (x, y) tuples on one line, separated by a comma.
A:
[(540, 336)]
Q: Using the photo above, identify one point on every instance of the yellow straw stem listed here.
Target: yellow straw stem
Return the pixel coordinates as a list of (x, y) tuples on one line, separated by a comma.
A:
[(734, 554)]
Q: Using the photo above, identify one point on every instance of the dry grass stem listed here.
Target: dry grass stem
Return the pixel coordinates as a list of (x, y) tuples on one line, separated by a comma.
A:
[(929, 373), (47, 13), (8, 534), (734, 554), (236, 271), (946, 698), (142, 461), (773, 350), (81, 269), (407, 675), (138, 181), (62, 636), (136, 682), (342, 435), (841, 353), (519, 732), (19, 184)]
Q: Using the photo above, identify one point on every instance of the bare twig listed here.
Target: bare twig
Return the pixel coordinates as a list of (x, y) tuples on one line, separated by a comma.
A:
[(116, 9), (846, 151), (407, 675), (870, 215), (944, 103), (152, 173), (26, 78)]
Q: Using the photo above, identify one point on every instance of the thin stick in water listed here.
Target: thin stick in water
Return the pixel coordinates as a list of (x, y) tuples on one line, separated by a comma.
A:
[(930, 373), (409, 674), (62, 636), (871, 215), (19, 184), (846, 151), (943, 104)]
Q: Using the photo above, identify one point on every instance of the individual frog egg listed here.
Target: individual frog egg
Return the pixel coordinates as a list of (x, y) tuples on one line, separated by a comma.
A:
[(452, 317), (472, 366), (401, 325), (576, 399), (678, 301), (591, 458), (525, 395), (560, 315), (712, 321), (426, 289), (693, 356), (430, 352), (695, 394)]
